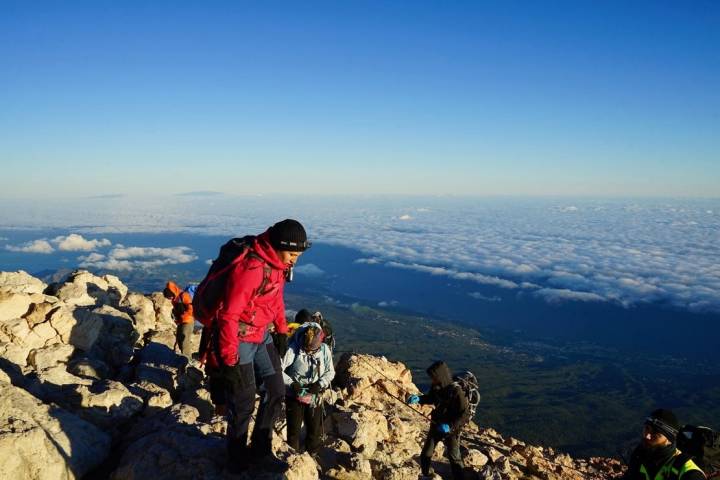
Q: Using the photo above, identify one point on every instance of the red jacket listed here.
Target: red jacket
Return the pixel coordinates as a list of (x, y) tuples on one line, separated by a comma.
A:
[(247, 312)]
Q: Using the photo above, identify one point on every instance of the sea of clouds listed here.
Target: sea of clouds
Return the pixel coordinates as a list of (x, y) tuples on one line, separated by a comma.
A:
[(621, 251)]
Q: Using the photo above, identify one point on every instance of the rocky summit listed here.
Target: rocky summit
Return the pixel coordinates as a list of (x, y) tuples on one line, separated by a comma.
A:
[(91, 387)]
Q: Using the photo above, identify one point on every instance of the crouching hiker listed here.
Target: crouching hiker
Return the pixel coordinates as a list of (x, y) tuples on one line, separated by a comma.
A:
[(450, 415), (657, 457), (307, 371)]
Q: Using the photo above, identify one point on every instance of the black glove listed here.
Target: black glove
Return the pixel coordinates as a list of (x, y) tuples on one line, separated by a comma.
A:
[(281, 343), (296, 388), (229, 375), (314, 388)]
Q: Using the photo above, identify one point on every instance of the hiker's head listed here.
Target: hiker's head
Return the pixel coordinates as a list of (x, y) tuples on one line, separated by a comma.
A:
[(660, 429), (439, 374), (303, 316), (170, 290), (312, 339), (289, 240)]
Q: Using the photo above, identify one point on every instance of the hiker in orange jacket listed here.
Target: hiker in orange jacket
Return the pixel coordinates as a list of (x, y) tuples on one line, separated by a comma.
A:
[(183, 315)]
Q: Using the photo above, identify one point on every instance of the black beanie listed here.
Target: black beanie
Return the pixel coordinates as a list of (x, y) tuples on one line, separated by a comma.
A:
[(289, 235), (303, 316), (665, 422)]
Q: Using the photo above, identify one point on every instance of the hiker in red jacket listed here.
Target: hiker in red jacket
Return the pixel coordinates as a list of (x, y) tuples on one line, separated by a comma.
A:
[(253, 299)]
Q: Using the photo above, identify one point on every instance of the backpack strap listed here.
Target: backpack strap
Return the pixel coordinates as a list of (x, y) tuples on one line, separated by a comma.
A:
[(267, 270), (681, 464)]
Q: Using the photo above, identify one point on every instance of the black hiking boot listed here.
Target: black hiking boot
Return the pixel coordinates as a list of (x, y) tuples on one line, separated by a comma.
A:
[(238, 455), (261, 454)]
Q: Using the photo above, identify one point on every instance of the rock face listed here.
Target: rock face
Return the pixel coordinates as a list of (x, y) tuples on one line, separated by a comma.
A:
[(39, 441), (84, 363)]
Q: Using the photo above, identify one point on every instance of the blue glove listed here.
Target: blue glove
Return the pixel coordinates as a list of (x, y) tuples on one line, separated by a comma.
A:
[(413, 400), (444, 428)]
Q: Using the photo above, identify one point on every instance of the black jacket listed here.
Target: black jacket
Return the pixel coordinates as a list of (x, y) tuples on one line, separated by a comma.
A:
[(655, 459), (451, 405)]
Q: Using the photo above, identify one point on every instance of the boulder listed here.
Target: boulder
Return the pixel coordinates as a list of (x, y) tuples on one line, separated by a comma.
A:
[(40, 442), (142, 311), (169, 446), (82, 288), (106, 403), (43, 358), (20, 282), (81, 327), (363, 429), (14, 305), (163, 312)]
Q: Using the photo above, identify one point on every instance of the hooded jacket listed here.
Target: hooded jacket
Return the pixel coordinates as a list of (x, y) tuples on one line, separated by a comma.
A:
[(661, 463), (307, 368), (253, 299), (182, 304), (451, 406)]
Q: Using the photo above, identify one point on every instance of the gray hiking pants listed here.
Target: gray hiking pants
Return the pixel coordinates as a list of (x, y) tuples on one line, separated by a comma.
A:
[(184, 338)]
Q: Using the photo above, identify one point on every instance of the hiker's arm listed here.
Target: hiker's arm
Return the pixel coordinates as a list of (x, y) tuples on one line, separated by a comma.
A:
[(428, 398), (286, 361), (239, 290), (279, 307), (329, 373)]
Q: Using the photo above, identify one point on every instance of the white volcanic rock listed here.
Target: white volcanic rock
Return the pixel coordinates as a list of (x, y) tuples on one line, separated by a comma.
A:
[(163, 312), (41, 442), (21, 282), (44, 358), (82, 288), (15, 305), (142, 310)]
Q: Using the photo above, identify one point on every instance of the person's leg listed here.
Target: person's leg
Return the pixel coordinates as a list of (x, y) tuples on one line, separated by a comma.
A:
[(240, 396), (453, 454), (185, 339), (427, 452), (313, 423), (294, 414), (267, 363)]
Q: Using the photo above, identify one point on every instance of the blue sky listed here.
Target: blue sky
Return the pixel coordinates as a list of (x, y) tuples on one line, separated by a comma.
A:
[(478, 98)]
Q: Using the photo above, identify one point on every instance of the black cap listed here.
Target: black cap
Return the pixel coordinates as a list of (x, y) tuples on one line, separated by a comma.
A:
[(289, 235), (665, 422), (303, 316)]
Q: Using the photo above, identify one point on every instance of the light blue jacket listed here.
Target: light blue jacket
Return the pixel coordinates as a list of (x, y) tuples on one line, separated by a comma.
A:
[(305, 368)]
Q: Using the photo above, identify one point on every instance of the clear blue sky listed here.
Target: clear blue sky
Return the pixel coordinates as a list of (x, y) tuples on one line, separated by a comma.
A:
[(503, 97)]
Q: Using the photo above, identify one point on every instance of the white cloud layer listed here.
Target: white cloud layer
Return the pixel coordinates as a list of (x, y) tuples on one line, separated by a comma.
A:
[(77, 243), (35, 246), (123, 258), (623, 251), (309, 269)]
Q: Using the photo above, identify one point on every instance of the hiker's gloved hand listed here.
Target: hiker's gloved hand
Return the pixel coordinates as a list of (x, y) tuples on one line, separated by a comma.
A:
[(281, 343), (444, 428), (413, 400), (296, 388), (314, 388), (230, 375)]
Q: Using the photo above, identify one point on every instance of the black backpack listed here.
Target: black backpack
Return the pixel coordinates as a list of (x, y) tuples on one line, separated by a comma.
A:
[(702, 444)]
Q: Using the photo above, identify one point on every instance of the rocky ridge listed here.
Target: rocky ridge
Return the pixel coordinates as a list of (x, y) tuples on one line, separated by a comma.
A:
[(90, 387)]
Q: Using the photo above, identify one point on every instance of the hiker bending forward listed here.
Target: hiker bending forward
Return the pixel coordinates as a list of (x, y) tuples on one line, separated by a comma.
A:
[(253, 299), (307, 370), (450, 415), (182, 313)]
